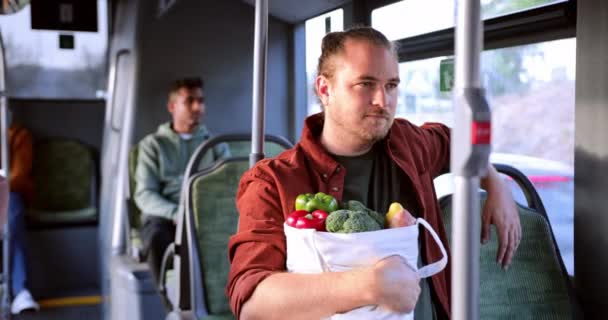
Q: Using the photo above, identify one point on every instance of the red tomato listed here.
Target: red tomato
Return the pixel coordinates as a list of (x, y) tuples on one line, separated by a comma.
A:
[(320, 214), (293, 217), (310, 222), (301, 219)]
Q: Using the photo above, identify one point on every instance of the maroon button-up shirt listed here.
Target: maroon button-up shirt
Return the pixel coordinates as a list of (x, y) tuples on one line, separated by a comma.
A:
[(267, 194)]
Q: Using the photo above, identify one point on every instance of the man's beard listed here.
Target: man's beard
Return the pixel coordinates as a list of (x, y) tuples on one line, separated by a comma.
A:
[(376, 135), (363, 132)]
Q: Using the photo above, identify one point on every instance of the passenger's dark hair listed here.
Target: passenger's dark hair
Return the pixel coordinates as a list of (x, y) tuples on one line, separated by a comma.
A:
[(188, 83), (333, 44)]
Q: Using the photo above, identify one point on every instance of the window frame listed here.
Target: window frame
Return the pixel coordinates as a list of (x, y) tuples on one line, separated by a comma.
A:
[(545, 23), (555, 21)]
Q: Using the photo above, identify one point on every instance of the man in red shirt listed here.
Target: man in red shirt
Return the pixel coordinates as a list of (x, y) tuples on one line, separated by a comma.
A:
[(354, 150)]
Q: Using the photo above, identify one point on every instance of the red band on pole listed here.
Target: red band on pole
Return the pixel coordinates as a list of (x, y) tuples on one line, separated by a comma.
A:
[(481, 132)]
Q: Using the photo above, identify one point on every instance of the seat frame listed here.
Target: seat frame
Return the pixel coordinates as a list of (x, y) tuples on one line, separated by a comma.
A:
[(534, 204), (197, 289), (190, 294)]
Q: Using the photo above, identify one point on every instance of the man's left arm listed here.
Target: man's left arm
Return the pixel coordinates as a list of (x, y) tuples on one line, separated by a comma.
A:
[(501, 211)]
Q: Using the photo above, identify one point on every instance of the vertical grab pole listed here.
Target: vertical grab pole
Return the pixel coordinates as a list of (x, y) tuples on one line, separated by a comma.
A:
[(124, 104), (260, 47), (117, 136), (5, 235), (470, 151), (3, 111)]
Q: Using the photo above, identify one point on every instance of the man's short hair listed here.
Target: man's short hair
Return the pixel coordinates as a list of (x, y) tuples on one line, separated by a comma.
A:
[(188, 83), (333, 44)]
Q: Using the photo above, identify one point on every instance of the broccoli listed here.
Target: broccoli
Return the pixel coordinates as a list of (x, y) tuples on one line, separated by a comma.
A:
[(355, 205), (349, 221), (336, 219), (379, 218)]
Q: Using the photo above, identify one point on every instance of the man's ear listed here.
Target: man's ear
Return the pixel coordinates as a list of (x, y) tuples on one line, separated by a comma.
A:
[(170, 106), (322, 86)]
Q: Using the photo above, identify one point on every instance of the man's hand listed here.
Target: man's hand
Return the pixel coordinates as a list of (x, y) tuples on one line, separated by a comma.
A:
[(501, 211), (396, 285)]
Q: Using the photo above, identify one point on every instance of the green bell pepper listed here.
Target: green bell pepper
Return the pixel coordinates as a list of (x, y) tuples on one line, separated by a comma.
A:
[(311, 202)]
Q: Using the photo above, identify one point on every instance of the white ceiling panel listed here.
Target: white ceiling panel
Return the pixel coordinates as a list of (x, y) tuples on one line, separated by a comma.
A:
[(295, 11)]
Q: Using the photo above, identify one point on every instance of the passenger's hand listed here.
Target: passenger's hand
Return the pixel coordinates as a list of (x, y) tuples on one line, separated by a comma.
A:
[(396, 285), (501, 211)]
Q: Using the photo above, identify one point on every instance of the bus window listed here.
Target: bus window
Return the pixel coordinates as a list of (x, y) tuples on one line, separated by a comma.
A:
[(530, 86), (37, 66), (316, 28), (530, 90), (416, 14), (420, 99)]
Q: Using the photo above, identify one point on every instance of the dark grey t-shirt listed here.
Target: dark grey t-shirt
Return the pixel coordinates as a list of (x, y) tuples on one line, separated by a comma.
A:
[(376, 181)]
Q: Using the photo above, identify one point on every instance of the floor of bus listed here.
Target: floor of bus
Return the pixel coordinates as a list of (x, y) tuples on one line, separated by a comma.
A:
[(63, 313), (64, 273), (71, 305)]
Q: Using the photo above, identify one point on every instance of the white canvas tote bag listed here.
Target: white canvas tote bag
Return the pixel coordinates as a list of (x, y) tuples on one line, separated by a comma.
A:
[(310, 251)]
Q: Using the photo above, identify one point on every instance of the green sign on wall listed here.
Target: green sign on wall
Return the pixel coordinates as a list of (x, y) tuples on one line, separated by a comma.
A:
[(446, 75)]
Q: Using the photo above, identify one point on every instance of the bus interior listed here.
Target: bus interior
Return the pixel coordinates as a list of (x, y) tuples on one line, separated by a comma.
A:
[(90, 80)]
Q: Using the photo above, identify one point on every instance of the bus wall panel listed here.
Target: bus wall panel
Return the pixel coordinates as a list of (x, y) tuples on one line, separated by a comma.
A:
[(212, 39), (72, 119)]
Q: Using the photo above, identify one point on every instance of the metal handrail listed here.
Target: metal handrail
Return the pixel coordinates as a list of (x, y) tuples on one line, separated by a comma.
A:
[(5, 236), (260, 48), (470, 147)]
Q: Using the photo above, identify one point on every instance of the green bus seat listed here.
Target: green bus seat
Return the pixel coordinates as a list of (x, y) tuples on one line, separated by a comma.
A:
[(65, 183), (210, 218), (243, 149), (213, 196), (535, 285)]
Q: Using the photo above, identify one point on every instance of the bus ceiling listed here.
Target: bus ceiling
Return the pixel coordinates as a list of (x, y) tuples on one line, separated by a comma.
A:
[(284, 9)]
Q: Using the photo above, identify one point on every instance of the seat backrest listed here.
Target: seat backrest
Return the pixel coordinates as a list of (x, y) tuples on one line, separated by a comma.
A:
[(215, 216), (238, 145), (64, 176), (212, 216), (535, 286), (243, 149)]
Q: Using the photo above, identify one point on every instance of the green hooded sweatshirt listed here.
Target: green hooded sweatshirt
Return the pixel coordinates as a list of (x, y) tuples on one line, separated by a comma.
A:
[(162, 160)]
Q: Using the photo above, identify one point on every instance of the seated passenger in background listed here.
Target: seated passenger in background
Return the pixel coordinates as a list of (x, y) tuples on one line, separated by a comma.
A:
[(163, 157), (21, 193)]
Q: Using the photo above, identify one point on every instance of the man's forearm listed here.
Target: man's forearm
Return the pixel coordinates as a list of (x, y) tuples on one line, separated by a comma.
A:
[(491, 180), (308, 296), (152, 203)]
